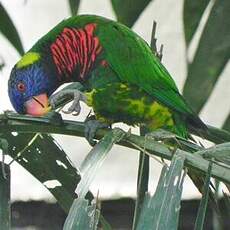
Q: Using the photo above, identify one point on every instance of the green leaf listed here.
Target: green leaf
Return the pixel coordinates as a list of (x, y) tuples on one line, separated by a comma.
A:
[(105, 224), (227, 201), (214, 134), (95, 158), (8, 29), (142, 180), (226, 124), (220, 153), (204, 201), (142, 185), (162, 210), (128, 11), (192, 13), (44, 159), (82, 216), (74, 5), (19, 123), (217, 221), (211, 56), (5, 211), (41, 155)]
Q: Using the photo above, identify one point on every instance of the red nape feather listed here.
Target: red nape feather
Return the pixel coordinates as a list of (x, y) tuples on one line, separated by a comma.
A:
[(104, 63), (75, 50)]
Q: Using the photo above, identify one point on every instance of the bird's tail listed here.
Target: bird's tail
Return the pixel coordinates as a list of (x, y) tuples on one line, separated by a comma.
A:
[(195, 122)]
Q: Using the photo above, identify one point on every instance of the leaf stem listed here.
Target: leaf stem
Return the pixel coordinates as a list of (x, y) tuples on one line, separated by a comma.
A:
[(74, 128)]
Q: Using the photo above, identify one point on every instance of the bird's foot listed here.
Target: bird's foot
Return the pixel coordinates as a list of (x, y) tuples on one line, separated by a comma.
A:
[(163, 136), (77, 96), (91, 127), (160, 135), (166, 137)]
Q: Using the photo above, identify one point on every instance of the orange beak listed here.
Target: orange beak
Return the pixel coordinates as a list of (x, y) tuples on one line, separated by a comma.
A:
[(38, 105)]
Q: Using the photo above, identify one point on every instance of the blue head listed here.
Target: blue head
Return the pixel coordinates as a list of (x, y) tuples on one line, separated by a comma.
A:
[(30, 85)]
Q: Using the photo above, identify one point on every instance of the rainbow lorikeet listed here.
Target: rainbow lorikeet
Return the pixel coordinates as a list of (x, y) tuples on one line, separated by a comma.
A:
[(123, 80)]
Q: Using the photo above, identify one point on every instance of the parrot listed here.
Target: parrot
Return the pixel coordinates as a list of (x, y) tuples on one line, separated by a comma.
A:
[(123, 79)]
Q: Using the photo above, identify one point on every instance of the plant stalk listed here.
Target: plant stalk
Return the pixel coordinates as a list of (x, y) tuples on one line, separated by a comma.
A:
[(5, 211), (142, 181), (155, 148)]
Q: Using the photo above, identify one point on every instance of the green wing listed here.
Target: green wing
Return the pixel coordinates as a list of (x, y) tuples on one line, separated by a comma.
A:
[(133, 61)]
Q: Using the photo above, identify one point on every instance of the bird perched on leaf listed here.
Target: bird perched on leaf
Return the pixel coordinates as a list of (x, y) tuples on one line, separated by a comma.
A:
[(123, 80)]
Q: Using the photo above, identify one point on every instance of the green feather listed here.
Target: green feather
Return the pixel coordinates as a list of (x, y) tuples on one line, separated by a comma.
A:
[(131, 62)]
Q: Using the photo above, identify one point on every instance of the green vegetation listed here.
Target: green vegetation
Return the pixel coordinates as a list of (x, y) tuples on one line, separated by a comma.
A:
[(28, 141)]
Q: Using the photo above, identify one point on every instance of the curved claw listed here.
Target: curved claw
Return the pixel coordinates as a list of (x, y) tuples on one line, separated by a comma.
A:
[(89, 135), (76, 113), (72, 109), (75, 108), (66, 111), (91, 127)]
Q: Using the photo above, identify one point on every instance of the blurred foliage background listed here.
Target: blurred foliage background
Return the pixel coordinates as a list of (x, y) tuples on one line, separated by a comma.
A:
[(204, 69)]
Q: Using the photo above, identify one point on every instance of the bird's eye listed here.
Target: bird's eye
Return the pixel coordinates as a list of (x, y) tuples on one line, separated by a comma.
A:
[(21, 87)]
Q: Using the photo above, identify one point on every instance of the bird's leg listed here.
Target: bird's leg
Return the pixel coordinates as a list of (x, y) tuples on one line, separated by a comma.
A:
[(163, 135), (91, 127), (75, 108), (77, 96)]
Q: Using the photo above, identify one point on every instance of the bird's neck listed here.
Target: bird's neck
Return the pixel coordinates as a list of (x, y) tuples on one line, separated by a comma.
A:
[(74, 53)]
